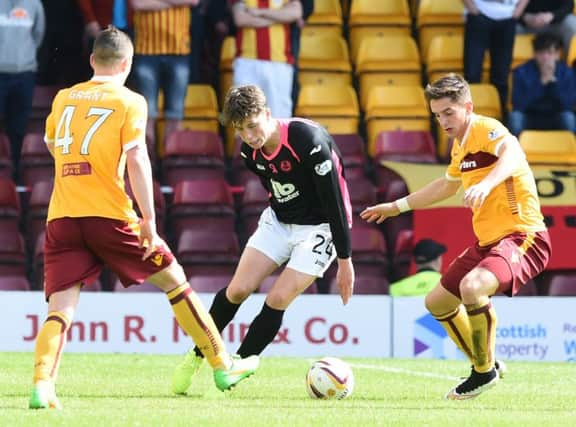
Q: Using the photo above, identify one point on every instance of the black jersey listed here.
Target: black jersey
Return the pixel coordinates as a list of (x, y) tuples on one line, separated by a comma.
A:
[(305, 179)]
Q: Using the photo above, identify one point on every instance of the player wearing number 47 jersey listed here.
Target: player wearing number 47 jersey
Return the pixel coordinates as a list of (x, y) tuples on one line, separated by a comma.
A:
[(306, 226), (95, 131)]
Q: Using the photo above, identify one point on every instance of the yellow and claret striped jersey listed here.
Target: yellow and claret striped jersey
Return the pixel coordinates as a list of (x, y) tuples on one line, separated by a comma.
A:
[(92, 125), (267, 43), (513, 205), (162, 32)]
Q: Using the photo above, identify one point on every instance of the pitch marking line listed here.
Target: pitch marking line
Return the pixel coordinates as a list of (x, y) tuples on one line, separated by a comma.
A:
[(404, 371)]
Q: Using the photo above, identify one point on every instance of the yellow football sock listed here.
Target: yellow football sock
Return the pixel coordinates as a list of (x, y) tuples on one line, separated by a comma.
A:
[(483, 324), (49, 345), (457, 326), (199, 325)]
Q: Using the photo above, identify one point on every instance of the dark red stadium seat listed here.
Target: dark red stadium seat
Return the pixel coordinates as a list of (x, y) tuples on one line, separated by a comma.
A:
[(254, 198), (366, 285), (405, 146), (95, 286), (41, 105), (202, 205), (9, 205), (563, 285), (402, 256), (193, 154), (6, 166), (14, 283), (370, 253), (159, 203), (529, 289), (38, 262), (363, 193), (12, 253), (208, 252), (36, 162), (38, 209), (352, 150), (209, 283)]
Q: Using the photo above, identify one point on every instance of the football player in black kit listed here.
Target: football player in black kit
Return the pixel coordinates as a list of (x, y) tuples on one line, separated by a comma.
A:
[(306, 226)]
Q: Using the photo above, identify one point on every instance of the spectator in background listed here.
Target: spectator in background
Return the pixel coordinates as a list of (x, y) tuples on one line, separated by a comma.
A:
[(428, 257), (550, 16), (161, 60), (264, 54), (491, 24), (543, 89), (99, 14), (22, 27)]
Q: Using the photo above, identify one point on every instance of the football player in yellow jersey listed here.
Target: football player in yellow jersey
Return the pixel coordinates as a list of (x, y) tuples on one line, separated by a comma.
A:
[(513, 245), (95, 131)]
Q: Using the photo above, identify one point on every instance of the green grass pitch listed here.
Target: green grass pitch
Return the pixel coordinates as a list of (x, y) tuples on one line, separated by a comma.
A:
[(134, 390)]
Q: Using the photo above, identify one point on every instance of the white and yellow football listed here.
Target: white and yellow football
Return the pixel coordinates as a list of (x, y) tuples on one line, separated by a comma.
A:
[(329, 378)]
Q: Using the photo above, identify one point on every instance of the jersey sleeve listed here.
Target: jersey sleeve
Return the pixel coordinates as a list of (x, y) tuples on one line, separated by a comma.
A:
[(492, 135), (134, 128), (315, 150)]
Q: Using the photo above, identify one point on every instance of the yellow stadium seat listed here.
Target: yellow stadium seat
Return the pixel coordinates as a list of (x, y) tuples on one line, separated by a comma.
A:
[(522, 50), (438, 17), (227, 55), (327, 14), (556, 147), (571, 57), (486, 100), (200, 110), (333, 106), (321, 30), (369, 18), (393, 108), (324, 59), (445, 56), (387, 60)]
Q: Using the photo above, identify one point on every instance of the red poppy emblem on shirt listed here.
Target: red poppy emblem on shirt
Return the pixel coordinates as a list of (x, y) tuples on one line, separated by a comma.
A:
[(285, 165), (19, 12)]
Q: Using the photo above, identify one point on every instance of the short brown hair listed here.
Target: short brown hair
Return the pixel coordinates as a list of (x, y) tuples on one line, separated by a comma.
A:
[(242, 102), (451, 86), (111, 46)]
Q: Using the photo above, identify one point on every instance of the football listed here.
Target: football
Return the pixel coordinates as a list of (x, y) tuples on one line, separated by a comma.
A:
[(329, 378)]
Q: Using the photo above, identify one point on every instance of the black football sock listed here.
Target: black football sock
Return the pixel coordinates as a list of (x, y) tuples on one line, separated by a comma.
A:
[(262, 331), (222, 311)]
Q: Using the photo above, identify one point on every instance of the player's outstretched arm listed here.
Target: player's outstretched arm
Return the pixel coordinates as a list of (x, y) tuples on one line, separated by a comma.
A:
[(345, 279), (140, 175), (433, 192)]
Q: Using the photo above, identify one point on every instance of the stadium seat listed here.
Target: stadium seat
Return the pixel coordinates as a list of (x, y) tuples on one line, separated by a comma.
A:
[(402, 255), (405, 146), (551, 147), (159, 203), (444, 55), (191, 154), (95, 286), (562, 285), (37, 210), (571, 56), (254, 198), (41, 106), (529, 289), (351, 147), (324, 60), (395, 108), (202, 205), (438, 17), (209, 283), (486, 100), (14, 283), (36, 162), (333, 106), (204, 252), (326, 18), (366, 285), (370, 18), (200, 110), (12, 253), (363, 193), (6, 166), (523, 51), (398, 64), (227, 55), (269, 281), (9, 205), (370, 252)]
